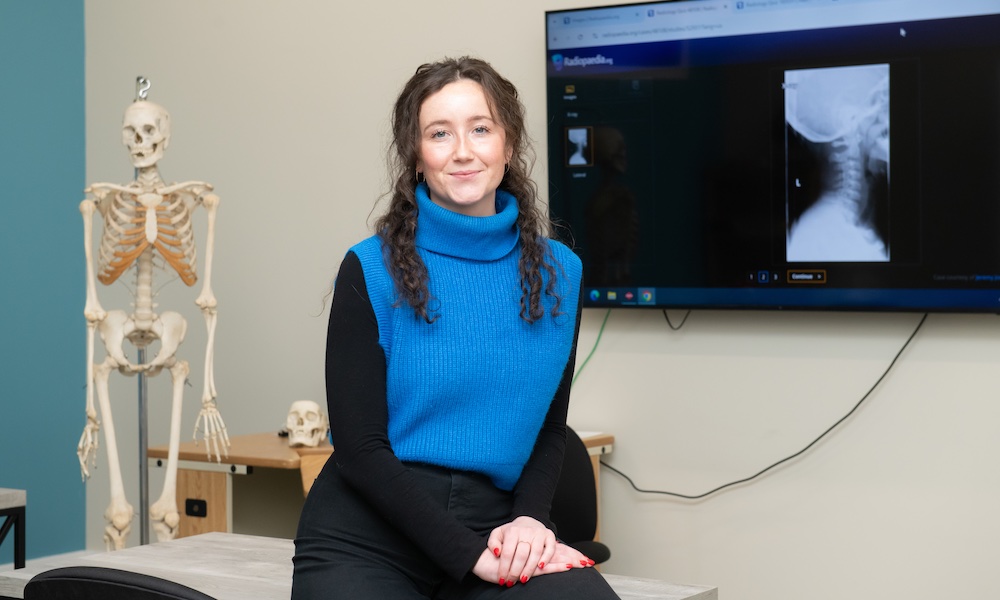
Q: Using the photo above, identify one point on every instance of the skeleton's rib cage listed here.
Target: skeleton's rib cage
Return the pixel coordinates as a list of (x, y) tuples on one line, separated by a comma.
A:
[(131, 227)]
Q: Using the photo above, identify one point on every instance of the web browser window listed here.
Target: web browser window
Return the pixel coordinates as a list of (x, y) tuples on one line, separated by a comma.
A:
[(779, 153)]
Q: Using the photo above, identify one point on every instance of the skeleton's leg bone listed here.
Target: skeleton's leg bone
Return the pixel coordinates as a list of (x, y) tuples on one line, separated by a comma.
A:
[(163, 513), (119, 513)]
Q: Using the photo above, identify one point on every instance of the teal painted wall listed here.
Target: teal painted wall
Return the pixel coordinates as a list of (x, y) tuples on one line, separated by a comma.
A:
[(42, 330)]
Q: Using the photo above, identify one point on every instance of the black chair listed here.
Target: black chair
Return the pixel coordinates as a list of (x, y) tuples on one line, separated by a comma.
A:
[(100, 583), (574, 506)]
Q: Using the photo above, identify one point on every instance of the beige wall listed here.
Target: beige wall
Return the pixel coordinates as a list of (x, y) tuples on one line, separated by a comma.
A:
[(283, 107)]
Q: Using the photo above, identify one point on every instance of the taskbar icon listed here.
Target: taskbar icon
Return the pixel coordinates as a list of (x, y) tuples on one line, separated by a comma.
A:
[(622, 296)]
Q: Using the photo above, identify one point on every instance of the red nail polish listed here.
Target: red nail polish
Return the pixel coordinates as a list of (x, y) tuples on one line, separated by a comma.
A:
[(569, 565), (510, 583), (591, 562), (541, 565), (502, 581), (524, 579), (583, 563), (496, 552)]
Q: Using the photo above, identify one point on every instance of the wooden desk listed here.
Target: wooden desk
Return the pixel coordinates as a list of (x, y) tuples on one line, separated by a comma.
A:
[(230, 566), (212, 498), (217, 497)]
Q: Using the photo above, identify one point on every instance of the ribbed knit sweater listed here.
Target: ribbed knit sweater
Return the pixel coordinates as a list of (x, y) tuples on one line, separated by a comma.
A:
[(471, 389)]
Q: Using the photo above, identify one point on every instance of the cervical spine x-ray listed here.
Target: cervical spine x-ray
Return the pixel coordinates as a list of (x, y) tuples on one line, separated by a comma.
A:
[(837, 164)]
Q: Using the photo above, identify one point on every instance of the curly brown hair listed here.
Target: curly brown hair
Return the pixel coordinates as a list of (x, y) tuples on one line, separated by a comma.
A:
[(398, 225)]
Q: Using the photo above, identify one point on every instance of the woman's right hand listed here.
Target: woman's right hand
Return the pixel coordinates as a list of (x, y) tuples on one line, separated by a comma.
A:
[(487, 567), (563, 559)]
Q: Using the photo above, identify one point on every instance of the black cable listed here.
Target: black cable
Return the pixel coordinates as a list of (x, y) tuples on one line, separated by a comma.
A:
[(667, 317), (786, 459)]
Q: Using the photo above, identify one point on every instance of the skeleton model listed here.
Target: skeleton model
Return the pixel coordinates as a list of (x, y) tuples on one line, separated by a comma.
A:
[(147, 226)]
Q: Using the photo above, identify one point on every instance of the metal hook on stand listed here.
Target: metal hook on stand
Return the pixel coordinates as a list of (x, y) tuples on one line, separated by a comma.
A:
[(142, 86)]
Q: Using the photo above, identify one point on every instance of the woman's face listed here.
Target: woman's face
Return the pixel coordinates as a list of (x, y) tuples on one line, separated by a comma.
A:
[(462, 150)]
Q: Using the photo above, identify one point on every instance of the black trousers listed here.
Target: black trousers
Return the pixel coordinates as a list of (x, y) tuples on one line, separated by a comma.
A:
[(344, 550)]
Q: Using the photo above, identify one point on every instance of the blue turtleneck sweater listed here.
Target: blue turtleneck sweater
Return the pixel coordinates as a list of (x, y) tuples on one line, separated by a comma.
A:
[(471, 389)]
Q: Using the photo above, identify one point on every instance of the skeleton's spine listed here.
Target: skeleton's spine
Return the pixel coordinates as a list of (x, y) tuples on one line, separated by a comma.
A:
[(144, 292)]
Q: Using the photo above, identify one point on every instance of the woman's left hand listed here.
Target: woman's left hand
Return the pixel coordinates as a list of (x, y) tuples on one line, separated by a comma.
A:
[(523, 545)]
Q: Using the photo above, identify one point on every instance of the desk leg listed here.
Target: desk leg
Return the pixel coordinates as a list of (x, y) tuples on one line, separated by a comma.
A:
[(205, 500), (595, 460), (14, 518), (19, 538)]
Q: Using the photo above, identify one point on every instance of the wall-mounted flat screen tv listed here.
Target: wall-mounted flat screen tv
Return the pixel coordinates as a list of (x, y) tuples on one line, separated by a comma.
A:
[(763, 154)]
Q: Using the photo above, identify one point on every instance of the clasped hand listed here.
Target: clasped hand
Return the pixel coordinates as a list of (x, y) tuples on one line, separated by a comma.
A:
[(522, 549)]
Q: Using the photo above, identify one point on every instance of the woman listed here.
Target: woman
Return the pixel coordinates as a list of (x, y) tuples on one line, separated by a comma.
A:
[(450, 352)]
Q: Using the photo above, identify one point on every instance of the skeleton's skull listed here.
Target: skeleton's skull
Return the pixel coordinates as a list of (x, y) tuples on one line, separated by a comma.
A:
[(306, 424), (145, 132)]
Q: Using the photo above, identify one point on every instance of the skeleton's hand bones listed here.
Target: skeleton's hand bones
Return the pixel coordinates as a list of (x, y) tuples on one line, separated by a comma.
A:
[(86, 448), (215, 435)]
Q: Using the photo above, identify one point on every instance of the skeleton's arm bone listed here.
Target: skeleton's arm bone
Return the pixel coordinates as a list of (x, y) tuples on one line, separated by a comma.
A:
[(216, 436), (209, 392), (92, 310), (206, 300), (86, 448)]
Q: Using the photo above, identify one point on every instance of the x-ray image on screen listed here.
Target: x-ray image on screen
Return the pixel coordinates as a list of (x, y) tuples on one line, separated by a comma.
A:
[(579, 149), (837, 153)]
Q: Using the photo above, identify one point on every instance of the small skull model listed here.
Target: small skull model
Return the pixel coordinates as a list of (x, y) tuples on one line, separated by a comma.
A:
[(306, 424)]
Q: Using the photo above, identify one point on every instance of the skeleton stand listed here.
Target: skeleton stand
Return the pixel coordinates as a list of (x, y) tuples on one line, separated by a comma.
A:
[(142, 86), (143, 445), (141, 90)]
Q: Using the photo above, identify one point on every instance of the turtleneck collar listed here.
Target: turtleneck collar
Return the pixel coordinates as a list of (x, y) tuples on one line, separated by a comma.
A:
[(442, 231)]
